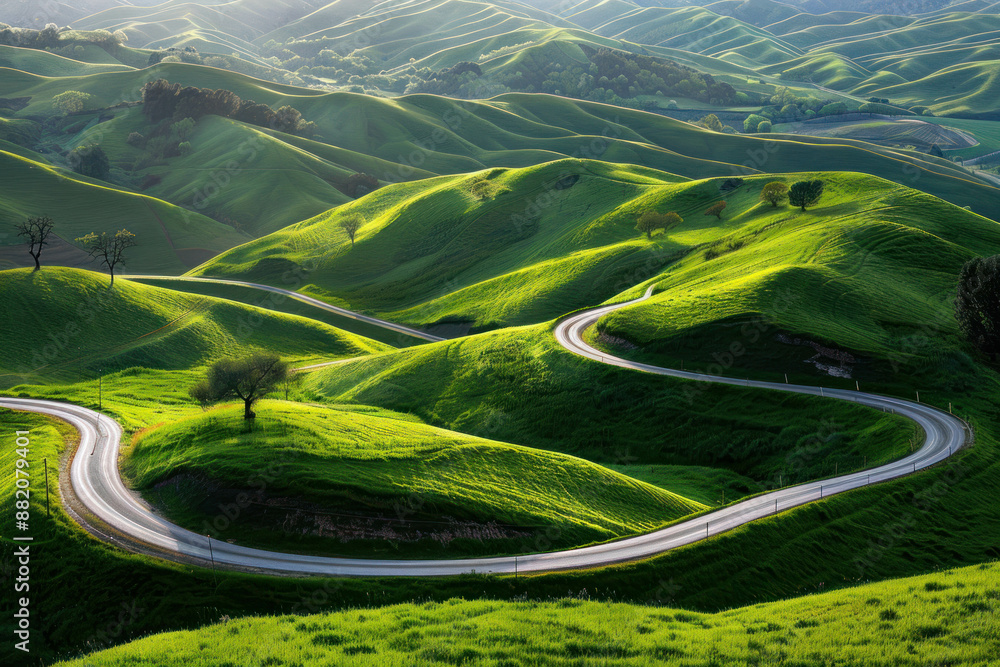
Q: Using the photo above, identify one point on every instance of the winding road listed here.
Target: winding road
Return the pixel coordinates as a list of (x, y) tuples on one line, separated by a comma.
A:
[(97, 483)]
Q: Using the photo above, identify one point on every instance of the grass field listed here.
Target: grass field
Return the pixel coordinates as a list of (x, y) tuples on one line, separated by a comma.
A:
[(508, 213), (364, 482), (64, 324), (942, 618), (283, 304), (543, 396), (170, 239), (430, 253), (51, 64), (870, 271)]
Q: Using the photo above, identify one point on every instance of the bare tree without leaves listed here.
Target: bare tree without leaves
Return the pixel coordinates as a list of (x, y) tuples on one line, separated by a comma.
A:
[(351, 225), (110, 249), (36, 231), (248, 379)]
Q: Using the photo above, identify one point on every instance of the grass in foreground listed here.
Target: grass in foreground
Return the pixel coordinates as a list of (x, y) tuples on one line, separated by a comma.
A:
[(365, 482), (943, 618)]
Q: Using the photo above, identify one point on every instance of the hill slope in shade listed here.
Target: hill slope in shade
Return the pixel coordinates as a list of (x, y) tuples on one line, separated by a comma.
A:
[(170, 239), (59, 324)]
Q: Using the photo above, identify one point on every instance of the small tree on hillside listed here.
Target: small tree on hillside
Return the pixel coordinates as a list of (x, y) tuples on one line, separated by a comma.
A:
[(109, 249), (351, 225), (36, 233), (716, 209), (752, 122), (805, 193), (711, 122), (774, 193), (650, 221), (358, 185), (977, 304), (71, 101), (248, 379), (91, 161)]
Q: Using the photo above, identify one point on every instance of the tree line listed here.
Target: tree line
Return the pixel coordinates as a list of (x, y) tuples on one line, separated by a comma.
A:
[(163, 100)]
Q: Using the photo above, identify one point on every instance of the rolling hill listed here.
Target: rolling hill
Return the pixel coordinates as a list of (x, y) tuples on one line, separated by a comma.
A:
[(920, 618), (353, 481), (170, 239), (86, 326), (547, 240)]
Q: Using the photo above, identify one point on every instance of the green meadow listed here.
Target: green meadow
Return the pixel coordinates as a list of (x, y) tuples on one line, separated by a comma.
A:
[(337, 470), (945, 617)]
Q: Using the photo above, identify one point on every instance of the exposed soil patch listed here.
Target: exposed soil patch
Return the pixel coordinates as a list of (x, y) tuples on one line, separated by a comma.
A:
[(833, 362), (255, 509)]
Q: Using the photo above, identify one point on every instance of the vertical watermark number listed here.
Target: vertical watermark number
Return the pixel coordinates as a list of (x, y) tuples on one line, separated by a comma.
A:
[(22, 553)]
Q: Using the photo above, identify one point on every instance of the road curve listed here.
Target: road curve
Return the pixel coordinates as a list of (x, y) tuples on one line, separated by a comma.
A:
[(316, 303), (97, 482)]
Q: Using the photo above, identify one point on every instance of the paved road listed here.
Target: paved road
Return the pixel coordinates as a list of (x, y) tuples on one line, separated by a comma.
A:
[(391, 326), (95, 478)]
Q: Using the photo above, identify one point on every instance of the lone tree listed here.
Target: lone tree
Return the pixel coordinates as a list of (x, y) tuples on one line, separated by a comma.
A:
[(805, 193), (716, 209), (36, 232), (91, 161), (358, 185), (774, 193), (650, 221), (977, 305), (248, 379), (351, 225), (71, 101), (109, 249)]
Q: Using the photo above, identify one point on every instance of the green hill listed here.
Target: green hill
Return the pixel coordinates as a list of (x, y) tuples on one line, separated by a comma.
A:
[(50, 64), (431, 252), (170, 239), (353, 480), (923, 620), (83, 326), (873, 264)]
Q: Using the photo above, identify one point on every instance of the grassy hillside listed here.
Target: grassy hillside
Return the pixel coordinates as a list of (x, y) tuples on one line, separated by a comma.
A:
[(868, 269), (432, 253), (50, 64), (170, 239), (61, 324), (946, 617), (611, 415), (366, 483)]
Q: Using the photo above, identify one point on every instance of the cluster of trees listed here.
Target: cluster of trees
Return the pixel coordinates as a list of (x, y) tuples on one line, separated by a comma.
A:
[(615, 77), (162, 100), (977, 304), (52, 37), (802, 194)]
